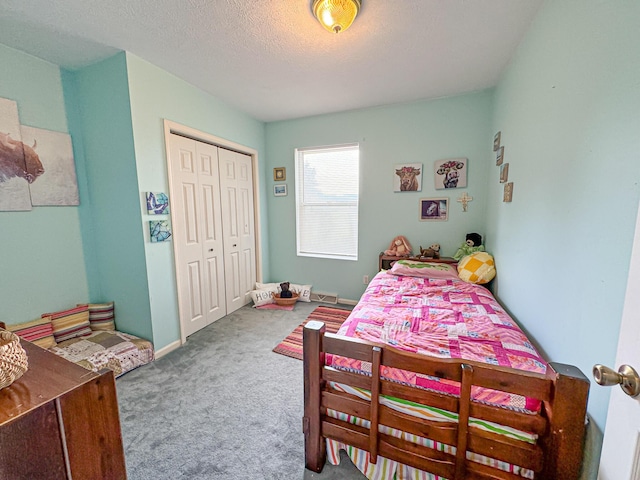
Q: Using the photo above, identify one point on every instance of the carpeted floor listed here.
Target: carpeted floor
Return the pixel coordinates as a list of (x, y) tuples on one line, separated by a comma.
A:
[(223, 406)]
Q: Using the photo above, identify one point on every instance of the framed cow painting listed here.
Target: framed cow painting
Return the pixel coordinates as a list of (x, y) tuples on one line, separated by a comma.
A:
[(450, 173), (15, 175), (407, 177)]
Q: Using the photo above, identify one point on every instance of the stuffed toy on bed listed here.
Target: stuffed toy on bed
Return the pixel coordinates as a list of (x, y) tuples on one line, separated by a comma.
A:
[(432, 252), (473, 243), (400, 247)]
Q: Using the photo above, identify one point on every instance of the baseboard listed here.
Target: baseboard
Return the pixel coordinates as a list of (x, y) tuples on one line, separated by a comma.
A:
[(169, 348), (346, 301)]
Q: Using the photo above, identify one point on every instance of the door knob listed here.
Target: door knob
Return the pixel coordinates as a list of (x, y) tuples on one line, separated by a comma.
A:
[(211, 249), (626, 377)]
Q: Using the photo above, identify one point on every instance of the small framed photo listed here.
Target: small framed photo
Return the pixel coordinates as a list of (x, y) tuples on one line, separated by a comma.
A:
[(157, 203), (160, 231), (407, 177), (504, 173), (434, 209), (450, 173), (280, 190), (279, 174), (499, 156), (496, 142), (508, 192)]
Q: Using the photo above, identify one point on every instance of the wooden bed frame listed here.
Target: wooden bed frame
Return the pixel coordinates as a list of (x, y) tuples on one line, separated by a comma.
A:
[(560, 424)]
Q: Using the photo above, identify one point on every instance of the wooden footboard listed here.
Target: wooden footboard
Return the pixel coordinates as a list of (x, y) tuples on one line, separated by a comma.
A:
[(560, 424)]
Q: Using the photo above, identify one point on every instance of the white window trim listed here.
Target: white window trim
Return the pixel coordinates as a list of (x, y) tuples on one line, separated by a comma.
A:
[(299, 196)]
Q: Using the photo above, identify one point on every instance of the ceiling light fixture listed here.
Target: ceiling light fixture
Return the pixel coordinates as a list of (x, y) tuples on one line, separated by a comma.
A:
[(336, 15)]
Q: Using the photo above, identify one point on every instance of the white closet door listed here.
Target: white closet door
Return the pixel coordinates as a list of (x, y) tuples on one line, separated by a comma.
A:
[(195, 199), (236, 182)]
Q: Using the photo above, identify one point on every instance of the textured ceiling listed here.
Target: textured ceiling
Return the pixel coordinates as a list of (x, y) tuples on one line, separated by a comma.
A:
[(272, 59)]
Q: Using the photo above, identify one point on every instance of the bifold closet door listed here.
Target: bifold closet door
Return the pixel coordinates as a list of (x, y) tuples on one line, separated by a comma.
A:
[(199, 248), (236, 186)]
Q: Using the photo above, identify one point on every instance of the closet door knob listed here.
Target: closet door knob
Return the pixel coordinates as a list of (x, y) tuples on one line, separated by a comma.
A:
[(211, 249), (626, 377)]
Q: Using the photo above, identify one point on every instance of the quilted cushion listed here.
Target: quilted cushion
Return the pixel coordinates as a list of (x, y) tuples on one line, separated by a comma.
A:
[(101, 316), (478, 267), (38, 331), (70, 323)]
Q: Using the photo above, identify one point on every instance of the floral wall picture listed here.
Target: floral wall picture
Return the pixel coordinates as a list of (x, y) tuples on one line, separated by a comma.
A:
[(157, 203), (160, 231), (407, 177), (450, 173)]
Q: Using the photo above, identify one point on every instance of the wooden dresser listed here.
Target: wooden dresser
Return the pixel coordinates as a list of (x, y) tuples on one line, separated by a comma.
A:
[(60, 421)]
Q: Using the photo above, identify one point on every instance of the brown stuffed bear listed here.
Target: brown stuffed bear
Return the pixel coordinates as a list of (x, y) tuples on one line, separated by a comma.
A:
[(285, 292)]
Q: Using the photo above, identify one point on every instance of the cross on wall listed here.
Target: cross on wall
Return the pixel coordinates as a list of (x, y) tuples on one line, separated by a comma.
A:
[(464, 200)]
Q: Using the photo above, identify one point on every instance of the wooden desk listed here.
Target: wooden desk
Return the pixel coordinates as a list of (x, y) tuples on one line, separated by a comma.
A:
[(385, 261), (60, 421)]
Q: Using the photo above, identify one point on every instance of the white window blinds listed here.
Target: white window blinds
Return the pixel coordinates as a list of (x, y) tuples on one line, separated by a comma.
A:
[(327, 191)]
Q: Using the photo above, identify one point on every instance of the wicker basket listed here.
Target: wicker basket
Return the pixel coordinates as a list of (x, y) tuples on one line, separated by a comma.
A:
[(13, 358), (285, 301)]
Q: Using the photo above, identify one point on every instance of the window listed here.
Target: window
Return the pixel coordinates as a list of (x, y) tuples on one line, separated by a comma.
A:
[(327, 191)]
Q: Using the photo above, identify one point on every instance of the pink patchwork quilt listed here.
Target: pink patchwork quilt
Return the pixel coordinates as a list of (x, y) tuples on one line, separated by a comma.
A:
[(445, 318)]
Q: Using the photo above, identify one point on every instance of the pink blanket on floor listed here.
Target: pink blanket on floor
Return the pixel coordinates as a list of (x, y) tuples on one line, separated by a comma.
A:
[(445, 318)]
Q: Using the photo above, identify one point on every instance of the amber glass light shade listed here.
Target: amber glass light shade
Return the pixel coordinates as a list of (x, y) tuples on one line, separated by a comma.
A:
[(336, 15)]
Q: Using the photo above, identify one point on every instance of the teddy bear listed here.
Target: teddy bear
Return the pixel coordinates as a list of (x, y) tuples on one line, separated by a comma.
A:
[(432, 252), (284, 290), (473, 243), (399, 247)]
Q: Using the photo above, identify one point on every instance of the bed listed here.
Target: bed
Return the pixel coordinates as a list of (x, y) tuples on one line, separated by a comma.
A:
[(429, 378)]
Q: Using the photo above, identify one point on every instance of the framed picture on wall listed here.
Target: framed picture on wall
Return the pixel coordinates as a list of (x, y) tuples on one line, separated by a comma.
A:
[(499, 156), (157, 203), (280, 190), (434, 209), (450, 173), (407, 177), (496, 142), (280, 174), (508, 192), (504, 173)]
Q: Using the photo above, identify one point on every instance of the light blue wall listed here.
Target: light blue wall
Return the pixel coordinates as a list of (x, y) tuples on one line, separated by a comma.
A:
[(114, 237), (156, 95), (420, 132), (568, 108), (42, 267)]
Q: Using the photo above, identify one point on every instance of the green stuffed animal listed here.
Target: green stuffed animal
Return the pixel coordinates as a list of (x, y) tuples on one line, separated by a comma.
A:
[(473, 243)]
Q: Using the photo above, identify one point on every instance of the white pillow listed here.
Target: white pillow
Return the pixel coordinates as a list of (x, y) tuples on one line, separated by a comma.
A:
[(262, 297), (272, 287), (303, 291)]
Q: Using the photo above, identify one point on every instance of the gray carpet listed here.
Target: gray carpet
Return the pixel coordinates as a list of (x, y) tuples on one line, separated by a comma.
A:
[(222, 406)]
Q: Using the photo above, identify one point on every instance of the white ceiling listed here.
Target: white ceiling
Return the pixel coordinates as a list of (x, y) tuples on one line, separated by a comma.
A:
[(272, 59)]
